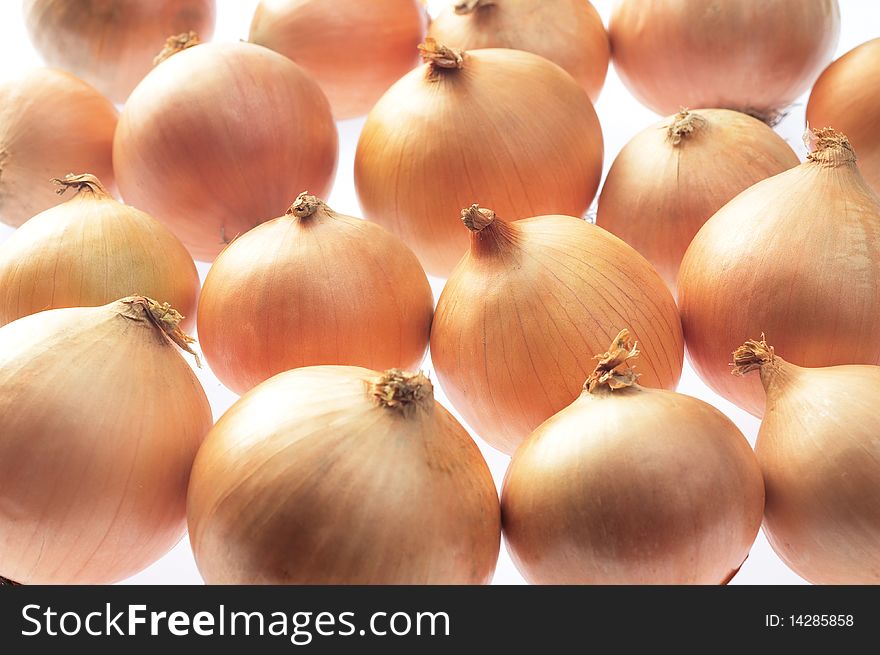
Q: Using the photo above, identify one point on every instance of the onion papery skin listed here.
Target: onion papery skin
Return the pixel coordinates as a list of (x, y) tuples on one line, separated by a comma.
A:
[(90, 251), (509, 128), (569, 33), (305, 290), (111, 45), (354, 49), (673, 176), (51, 124), (312, 479), (100, 421), (521, 316), (633, 486), (748, 55), (846, 98), (219, 137), (819, 451), (796, 256)]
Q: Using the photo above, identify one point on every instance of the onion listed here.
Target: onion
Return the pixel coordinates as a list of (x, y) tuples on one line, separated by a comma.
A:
[(341, 475), (219, 137), (749, 55), (671, 177), (567, 32), (797, 255), (313, 287), (820, 455), (629, 485), (847, 97), (354, 49), (111, 44), (51, 123), (520, 317), (89, 251), (506, 126), (100, 420)]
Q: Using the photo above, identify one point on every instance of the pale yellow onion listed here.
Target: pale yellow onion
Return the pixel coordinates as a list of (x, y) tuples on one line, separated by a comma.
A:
[(313, 287), (219, 137), (51, 124), (111, 43), (505, 126), (354, 49), (521, 316), (847, 97), (342, 475), (629, 485), (90, 251), (753, 56), (819, 449), (100, 420), (674, 175), (796, 255), (567, 32)]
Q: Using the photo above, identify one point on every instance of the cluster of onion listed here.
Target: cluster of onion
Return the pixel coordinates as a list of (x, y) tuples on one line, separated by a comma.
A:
[(521, 314)]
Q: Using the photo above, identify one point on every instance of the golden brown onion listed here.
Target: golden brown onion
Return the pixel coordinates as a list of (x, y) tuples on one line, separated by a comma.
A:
[(671, 177), (51, 124), (820, 454), (90, 251), (797, 255), (341, 475), (111, 44), (847, 97), (629, 485), (219, 137), (521, 316), (100, 420), (354, 49), (753, 56), (567, 32), (313, 287), (505, 126)]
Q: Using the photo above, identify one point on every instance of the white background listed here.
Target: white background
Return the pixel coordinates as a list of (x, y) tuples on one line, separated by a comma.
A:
[(621, 117)]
